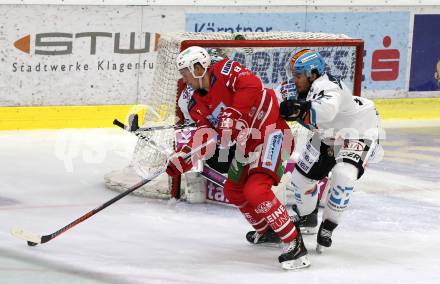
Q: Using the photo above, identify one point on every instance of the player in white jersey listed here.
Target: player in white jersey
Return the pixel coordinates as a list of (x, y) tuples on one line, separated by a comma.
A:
[(346, 132)]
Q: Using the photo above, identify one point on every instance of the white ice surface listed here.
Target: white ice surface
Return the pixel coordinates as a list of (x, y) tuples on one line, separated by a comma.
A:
[(390, 234)]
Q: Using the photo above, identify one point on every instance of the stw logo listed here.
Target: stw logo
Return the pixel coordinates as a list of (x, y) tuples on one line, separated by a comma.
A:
[(63, 43), (24, 44)]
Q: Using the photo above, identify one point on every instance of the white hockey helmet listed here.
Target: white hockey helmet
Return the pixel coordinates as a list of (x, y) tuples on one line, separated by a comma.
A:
[(191, 56)]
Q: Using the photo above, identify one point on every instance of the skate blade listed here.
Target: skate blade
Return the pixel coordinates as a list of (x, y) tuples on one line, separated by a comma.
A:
[(319, 249), (309, 230), (268, 245), (295, 264)]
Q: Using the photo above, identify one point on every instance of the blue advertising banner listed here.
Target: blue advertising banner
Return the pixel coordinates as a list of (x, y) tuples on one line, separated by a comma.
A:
[(425, 59), (385, 35)]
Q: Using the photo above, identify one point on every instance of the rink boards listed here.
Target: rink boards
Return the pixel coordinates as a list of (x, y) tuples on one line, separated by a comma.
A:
[(57, 117)]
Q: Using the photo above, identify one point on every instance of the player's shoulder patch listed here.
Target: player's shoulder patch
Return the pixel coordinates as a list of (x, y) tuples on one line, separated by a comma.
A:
[(226, 69)]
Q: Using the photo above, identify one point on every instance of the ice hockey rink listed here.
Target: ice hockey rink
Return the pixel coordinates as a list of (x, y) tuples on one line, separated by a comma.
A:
[(390, 234)]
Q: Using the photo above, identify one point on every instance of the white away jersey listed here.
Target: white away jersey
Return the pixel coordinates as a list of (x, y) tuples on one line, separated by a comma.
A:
[(335, 108)]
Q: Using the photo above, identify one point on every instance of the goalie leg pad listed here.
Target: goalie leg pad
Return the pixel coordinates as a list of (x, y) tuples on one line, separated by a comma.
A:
[(195, 187)]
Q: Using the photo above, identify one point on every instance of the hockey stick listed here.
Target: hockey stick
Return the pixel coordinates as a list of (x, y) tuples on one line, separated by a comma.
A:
[(213, 176), (33, 239), (134, 126), (207, 172), (151, 143), (175, 127)]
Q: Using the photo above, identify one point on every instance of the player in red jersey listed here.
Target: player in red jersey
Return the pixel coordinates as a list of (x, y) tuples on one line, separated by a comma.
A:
[(230, 102)]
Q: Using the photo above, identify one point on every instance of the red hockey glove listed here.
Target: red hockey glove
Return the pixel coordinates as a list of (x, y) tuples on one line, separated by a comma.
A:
[(177, 165), (229, 126)]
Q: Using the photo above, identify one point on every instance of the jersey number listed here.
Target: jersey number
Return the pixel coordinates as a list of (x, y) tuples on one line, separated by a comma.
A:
[(358, 101)]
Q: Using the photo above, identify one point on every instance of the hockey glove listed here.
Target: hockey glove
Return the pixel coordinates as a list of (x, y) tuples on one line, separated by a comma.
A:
[(294, 109), (177, 165), (229, 126)]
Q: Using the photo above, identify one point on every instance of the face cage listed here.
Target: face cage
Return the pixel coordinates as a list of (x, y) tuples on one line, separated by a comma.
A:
[(291, 74), (191, 69)]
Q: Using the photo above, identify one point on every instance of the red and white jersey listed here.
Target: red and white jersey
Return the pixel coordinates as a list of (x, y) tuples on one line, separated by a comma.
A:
[(335, 108), (233, 86)]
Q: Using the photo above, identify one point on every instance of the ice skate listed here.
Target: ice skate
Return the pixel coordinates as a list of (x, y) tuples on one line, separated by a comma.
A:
[(269, 238), (307, 223), (294, 254), (324, 237)]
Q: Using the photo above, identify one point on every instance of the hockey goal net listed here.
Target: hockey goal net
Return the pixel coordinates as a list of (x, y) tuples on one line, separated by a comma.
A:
[(266, 54)]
